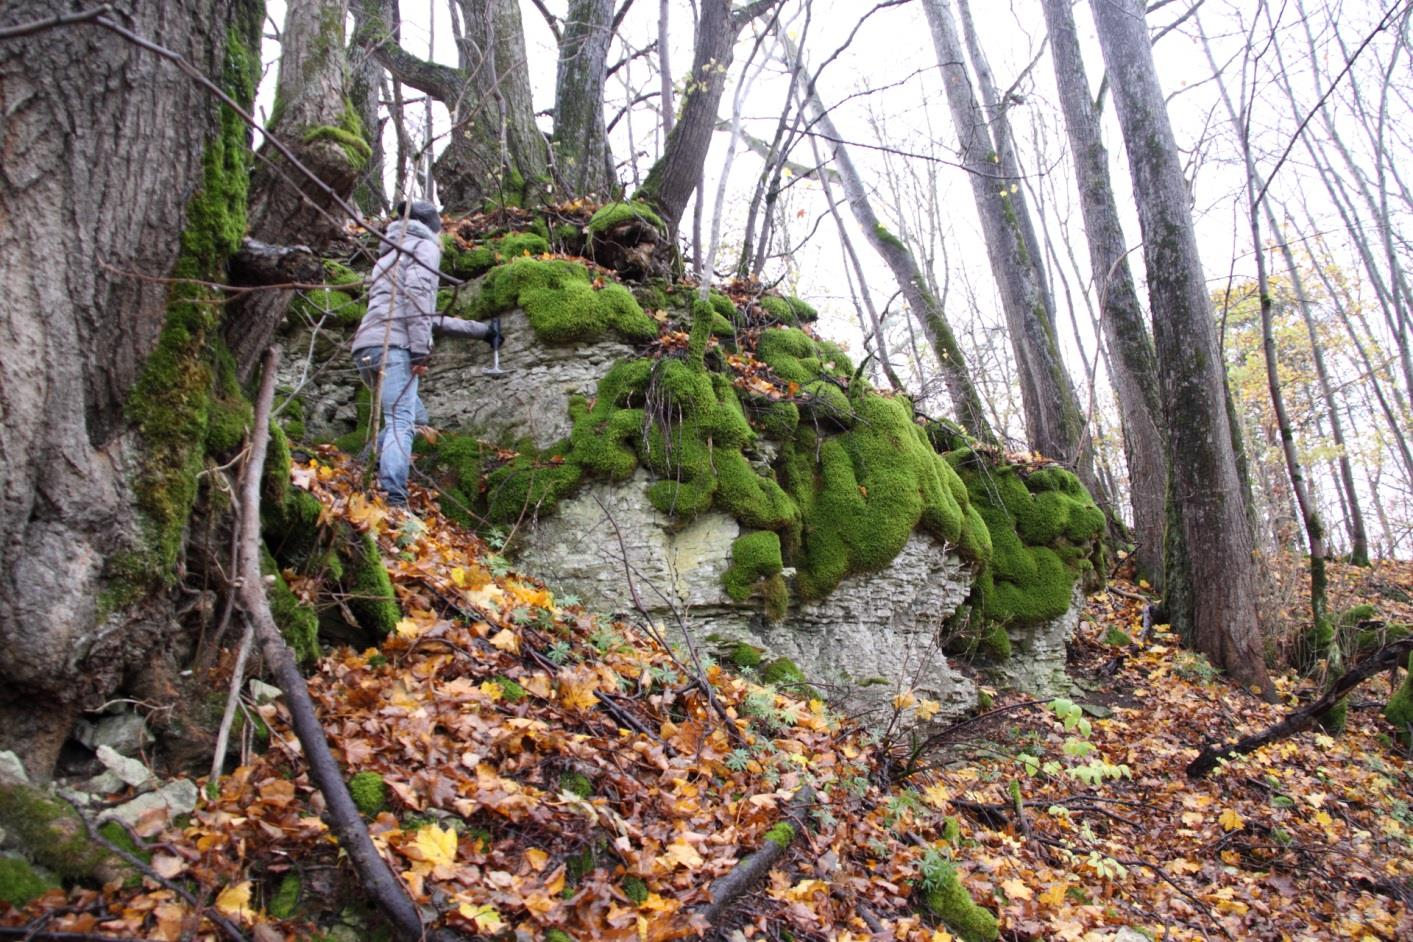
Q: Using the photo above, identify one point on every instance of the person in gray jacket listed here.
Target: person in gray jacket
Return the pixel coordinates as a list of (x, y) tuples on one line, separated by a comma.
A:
[(394, 340)]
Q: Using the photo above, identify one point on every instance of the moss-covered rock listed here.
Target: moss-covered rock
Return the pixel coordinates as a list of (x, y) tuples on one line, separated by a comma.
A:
[(789, 311), (563, 301), (1044, 528), (369, 591), (50, 833), (576, 783), (870, 488), (754, 557), (612, 215), (820, 371), (20, 882), (369, 793), (479, 259)]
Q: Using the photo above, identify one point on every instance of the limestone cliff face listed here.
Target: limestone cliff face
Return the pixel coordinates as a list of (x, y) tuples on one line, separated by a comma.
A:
[(605, 541)]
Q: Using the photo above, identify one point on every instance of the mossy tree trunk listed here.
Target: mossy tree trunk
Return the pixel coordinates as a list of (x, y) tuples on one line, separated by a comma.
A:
[(1054, 422), (495, 153), (923, 304), (674, 177), (1131, 359), (314, 117), (115, 163), (1212, 576), (582, 159)]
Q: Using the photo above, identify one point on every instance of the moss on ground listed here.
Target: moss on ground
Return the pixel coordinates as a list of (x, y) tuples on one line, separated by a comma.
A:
[(286, 897), (50, 833), (781, 834), (369, 793), (564, 302), (576, 783), (945, 899), (368, 589)]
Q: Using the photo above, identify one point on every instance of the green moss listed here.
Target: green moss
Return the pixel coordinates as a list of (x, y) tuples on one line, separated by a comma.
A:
[(952, 830), (50, 833), (342, 307), (782, 672), (369, 793), (1117, 637), (789, 311), (778, 420), (20, 883), (510, 691), (286, 897), (559, 935), (1042, 529), (170, 404), (888, 238), (754, 556), (1336, 718), (945, 899), (576, 783), (563, 301), (745, 656), (349, 134), (580, 865), (635, 889), (611, 215), (370, 592), (476, 261), (870, 488), (1399, 709), (298, 623), (821, 372), (781, 833)]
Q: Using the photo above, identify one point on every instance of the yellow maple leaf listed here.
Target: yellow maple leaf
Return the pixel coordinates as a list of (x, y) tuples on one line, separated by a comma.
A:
[(941, 935), (485, 918), (1055, 895), (1323, 819), (234, 900), (1231, 821), (578, 691), (507, 640), (492, 689), (537, 858), (927, 709), (407, 628), (437, 845), (1015, 889), (679, 852), (904, 700), (936, 795)]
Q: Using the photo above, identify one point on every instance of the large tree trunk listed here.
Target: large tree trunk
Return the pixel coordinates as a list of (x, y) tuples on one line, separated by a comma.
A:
[(583, 162), (495, 153), (673, 178), (1054, 422), (1211, 577), (1131, 358), (315, 119), (116, 168)]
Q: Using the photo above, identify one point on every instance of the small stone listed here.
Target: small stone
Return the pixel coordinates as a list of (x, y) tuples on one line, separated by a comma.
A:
[(12, 770), (126, 733), (1130, 935), (130, 771), (263, 693), (178, 797)]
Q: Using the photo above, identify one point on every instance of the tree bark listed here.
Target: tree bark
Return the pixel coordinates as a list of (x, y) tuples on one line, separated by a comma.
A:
[(314, 117), (583, 161), (674, 177), (1132, 361), (1054, 422), (103, 148), (1211, 577)]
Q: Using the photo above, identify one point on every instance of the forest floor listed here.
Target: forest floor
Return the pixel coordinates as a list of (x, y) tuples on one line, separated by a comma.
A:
[(546, 768)]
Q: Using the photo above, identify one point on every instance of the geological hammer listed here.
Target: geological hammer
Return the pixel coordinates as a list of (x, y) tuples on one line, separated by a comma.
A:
[(495, 338)]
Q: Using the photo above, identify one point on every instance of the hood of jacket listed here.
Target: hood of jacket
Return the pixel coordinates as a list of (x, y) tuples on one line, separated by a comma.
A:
[(399, 230)]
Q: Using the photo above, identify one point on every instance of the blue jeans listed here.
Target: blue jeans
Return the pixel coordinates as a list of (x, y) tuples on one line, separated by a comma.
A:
[(401, 410)]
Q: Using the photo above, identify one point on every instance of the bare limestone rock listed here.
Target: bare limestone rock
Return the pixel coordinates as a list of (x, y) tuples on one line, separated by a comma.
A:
[(874, 627)]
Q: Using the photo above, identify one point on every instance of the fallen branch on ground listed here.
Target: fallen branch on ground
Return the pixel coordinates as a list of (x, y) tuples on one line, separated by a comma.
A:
[(1390, 655), (384, 889), (730, 888)]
